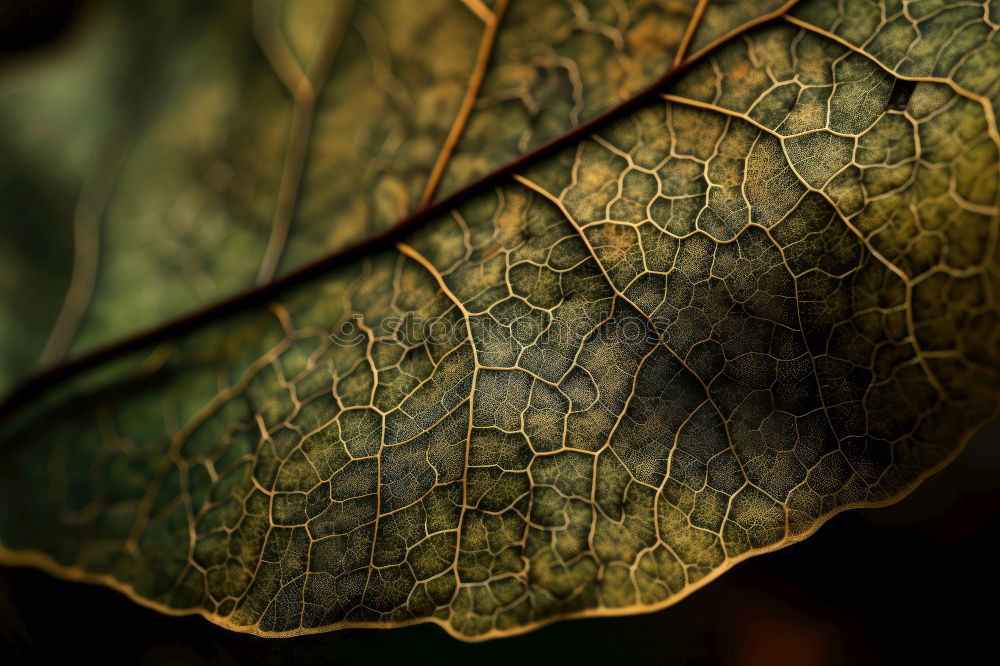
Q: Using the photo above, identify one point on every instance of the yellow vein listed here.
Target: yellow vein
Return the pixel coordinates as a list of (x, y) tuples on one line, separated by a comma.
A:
[(740, 29), (412, 253), (699, 12), (492, 23)]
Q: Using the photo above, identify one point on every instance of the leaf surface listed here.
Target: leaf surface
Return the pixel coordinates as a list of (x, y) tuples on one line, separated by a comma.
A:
[(764, 297)]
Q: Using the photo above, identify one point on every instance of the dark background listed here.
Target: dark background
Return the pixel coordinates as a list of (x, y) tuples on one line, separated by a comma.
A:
[(915, 582)]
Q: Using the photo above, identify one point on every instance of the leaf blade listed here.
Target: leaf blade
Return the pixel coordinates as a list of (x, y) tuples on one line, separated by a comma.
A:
[(806, 357)]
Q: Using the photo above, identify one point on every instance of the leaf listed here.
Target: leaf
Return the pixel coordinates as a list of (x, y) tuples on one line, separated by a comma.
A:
[(198, 150), (760, 297)]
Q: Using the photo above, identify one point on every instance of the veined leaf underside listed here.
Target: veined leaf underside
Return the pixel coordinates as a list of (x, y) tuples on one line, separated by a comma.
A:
[(761, 296)]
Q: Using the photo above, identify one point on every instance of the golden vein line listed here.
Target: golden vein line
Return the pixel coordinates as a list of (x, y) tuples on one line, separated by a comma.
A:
[(692, 28), (492, 23), (739, 30), (429, 267), (423, 261)]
